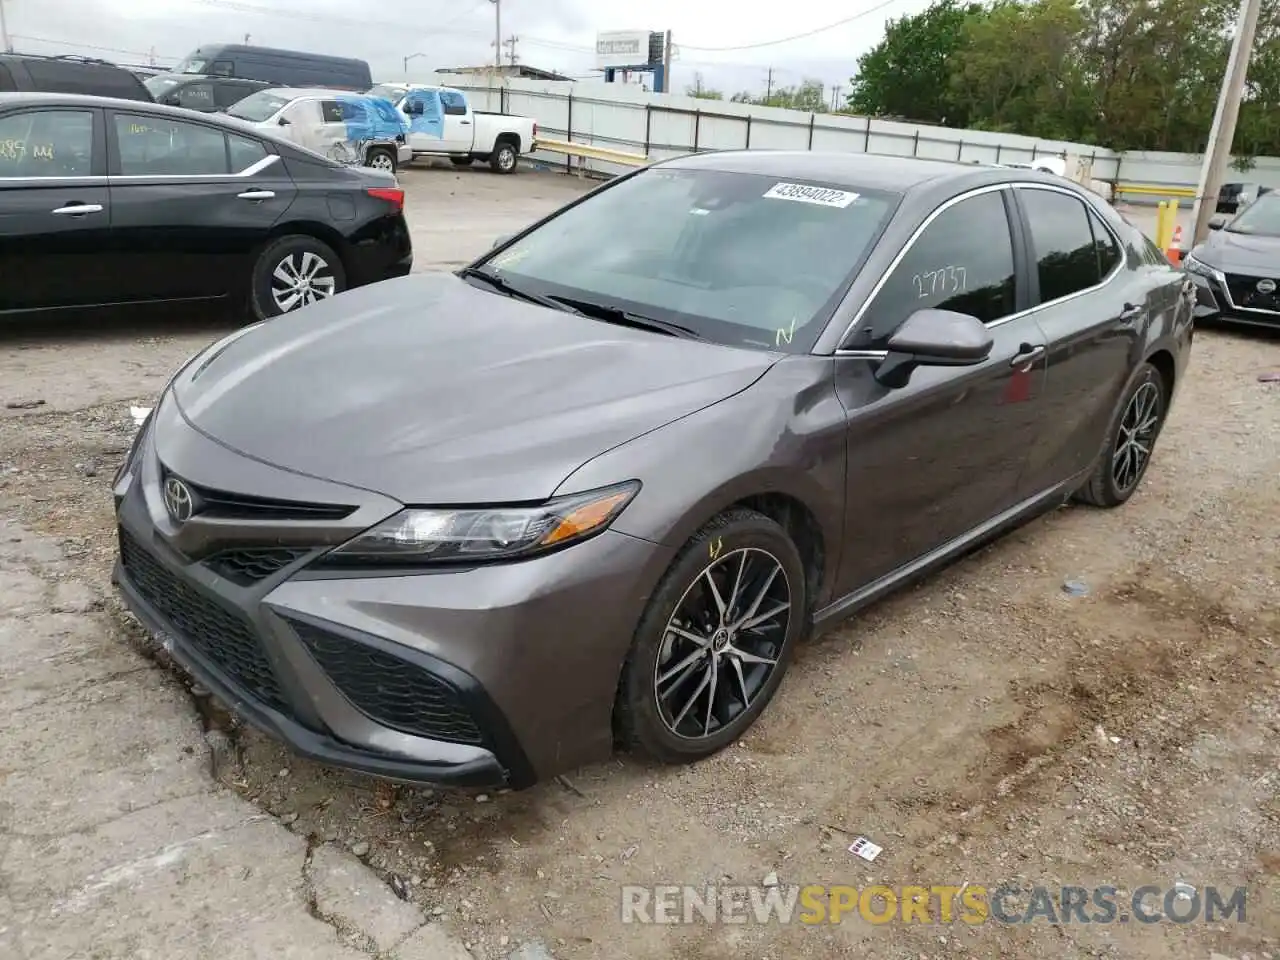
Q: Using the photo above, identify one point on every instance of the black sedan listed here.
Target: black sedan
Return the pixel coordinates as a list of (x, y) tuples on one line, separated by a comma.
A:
[(110, 202), (1237, 269)]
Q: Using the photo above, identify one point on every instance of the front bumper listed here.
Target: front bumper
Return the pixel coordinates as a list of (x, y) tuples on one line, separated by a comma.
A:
[(404, 154), (491, 675), (1230, 297)]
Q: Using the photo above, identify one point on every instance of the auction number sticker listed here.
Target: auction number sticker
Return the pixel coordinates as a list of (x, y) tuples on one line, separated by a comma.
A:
[(800, 193)]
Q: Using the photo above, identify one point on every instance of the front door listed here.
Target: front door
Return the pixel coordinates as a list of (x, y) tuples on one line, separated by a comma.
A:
[(191, 203), (55, 210), (426, 121), (458, 124), (933, 460)]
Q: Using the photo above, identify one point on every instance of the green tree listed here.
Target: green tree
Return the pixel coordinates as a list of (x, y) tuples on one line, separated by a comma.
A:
[(808, 95), (908, 73), (701, 92)]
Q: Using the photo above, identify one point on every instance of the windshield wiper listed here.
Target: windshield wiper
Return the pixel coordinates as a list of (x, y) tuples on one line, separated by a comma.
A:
[(626, 318), (504, 285)]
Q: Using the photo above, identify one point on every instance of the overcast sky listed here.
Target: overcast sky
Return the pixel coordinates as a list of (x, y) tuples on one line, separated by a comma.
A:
[(554, 34)]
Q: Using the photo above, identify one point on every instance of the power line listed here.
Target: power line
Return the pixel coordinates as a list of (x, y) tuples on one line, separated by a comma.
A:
[(798, 36), (89, 46)]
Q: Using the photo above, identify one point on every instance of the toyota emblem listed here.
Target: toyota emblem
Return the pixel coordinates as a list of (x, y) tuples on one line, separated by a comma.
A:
[(1266, 286), (178, 500)]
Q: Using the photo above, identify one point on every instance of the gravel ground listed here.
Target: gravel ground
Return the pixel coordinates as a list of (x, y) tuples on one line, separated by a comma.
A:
[(984, 727)]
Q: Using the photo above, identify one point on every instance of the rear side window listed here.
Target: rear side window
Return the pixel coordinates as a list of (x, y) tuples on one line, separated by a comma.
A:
[(1062, 241), (223, 68), (963, 261), (195, 96), (94, 79), (1109, 255), (160, 147), (47, 143), (331, 110), (244, 152), (455, 104), (6, 80), (227, 94)]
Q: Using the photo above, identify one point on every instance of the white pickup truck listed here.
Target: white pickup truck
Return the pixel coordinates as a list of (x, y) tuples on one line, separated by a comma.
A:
[(442, 124)]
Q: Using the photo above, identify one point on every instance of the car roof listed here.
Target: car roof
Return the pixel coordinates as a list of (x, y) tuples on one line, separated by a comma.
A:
[(297, 93), (223, 120), (867, 171)]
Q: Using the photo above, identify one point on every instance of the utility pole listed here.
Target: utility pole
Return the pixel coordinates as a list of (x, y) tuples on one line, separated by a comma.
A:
[(510, 44), (768, 89), (835, 93), (4, 31), (1217, 151), (247, 38), (497, 33), (666, 65)]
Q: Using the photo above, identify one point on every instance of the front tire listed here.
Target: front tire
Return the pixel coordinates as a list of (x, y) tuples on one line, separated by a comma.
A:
[(381, 158), (504, 158), (715, 640), (294, 271), (1131, 436)]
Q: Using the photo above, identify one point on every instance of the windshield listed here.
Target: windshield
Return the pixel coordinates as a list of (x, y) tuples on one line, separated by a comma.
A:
[(258, 106), (1260, 218), (162, 84), (192, 65), (388, 91), (737, 258)]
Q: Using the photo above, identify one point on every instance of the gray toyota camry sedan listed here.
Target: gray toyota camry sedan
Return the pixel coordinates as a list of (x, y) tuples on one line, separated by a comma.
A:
[(593, 489)]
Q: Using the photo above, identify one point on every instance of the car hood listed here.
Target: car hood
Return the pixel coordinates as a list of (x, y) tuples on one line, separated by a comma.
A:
[(431, 391), (1240, 253)]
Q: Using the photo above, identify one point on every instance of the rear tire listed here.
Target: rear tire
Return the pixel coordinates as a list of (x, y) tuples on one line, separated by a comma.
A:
[(463, 161), (381, 158), (1130, 441), (504, 158), (294, 271), (686, 645)]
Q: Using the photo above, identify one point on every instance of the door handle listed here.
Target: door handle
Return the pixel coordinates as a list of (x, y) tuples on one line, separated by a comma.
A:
[(1027, 354), (78, 209), (1131, 311), (257, 195), (464, 123)]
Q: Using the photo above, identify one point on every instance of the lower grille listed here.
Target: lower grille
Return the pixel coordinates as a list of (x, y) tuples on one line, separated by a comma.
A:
[(1244, 293), (249, 565), (221, 635), (389, 690)]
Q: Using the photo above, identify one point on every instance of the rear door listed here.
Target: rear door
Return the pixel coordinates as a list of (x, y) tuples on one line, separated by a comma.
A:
[(55, 210), (197, 96), (227, 93), (191, 204), (1093, 303), (338, 144), (459, 126)]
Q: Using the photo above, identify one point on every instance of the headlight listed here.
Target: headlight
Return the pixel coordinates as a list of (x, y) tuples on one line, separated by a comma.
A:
[(477, 534), (1202, 269), (126, 465)]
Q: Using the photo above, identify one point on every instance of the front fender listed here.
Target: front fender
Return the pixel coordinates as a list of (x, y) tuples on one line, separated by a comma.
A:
[(784, 435)]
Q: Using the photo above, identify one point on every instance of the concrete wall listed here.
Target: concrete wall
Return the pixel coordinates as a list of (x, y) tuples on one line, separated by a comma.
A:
[(624, 117)]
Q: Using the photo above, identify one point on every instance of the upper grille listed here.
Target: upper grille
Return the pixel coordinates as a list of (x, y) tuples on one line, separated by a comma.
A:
[(243, 506), (247, 566), (1244, 293), (391, 691), (221, 635)]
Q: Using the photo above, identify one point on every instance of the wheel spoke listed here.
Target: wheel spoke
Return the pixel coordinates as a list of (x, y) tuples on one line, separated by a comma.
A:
[(680, 667), (742, 681), (702, 685), (285, 272), (311, 265), (737, 584), (687, 635), (715, 592), (755, 604), (286, 301), (711, 696), (740, 654), (757, 620)]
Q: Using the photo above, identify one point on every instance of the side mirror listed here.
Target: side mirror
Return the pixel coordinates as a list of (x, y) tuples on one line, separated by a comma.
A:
[(934, 338), (501, 240), (414, 108), (283, 121), (1217, 222)]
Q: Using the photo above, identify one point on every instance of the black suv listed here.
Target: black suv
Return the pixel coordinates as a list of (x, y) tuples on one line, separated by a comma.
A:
[(27, 73), (196, 92)]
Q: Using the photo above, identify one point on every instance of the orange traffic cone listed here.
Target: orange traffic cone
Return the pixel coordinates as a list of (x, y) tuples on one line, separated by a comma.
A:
[(1174, 253)]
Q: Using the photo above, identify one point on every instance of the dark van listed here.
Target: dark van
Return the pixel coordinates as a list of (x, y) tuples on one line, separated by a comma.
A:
[(205, 94), (280, 68), (27, 73)]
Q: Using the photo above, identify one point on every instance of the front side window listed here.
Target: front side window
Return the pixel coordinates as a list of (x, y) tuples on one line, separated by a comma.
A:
[(738, 258), (258, 107), (192, 65), (223, 68), (47, 143), (1061, 241), (160, 147), (962, 261)]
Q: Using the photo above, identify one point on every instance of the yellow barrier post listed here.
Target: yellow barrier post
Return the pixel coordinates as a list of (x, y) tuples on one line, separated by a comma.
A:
[(1164, 232)]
